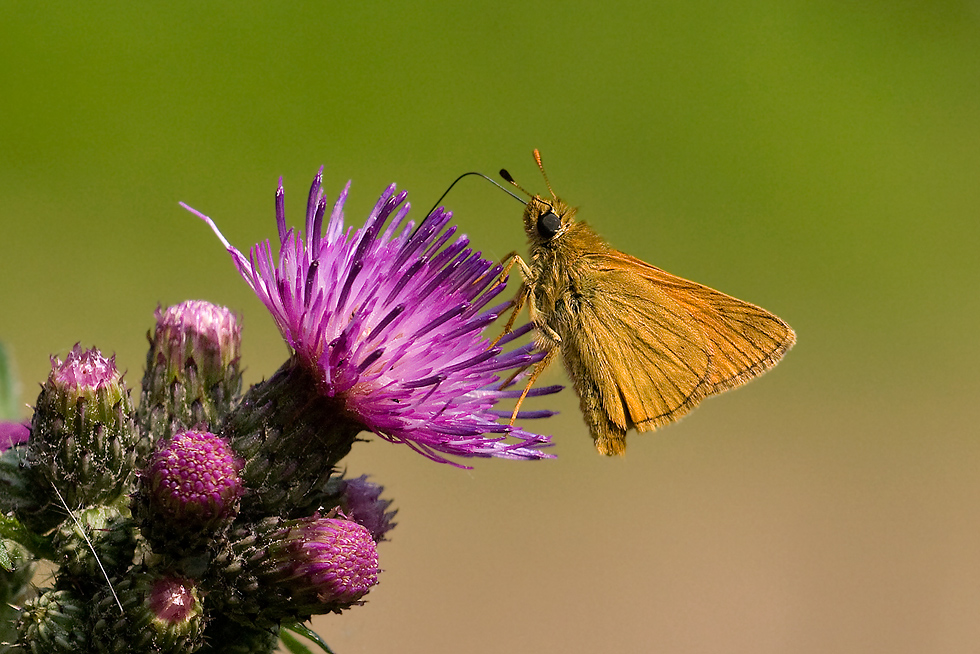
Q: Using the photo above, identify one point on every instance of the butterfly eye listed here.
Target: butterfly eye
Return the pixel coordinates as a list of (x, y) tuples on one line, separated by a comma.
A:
[(548, 224)]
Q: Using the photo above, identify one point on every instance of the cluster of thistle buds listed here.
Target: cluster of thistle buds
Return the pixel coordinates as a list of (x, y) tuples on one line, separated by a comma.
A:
[(157, 522), (203, 519)]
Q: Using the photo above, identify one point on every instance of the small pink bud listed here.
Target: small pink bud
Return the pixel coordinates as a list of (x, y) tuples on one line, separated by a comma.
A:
[(192, 481), (336, 559), (172, 600)]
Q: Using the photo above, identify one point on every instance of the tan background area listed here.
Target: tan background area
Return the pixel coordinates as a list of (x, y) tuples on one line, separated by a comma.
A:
[(820, 160)]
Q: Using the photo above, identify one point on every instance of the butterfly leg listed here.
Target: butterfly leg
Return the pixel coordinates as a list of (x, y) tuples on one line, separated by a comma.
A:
[(538, 369), (518, 304), (522, 295), (508, 262), (547, 339)]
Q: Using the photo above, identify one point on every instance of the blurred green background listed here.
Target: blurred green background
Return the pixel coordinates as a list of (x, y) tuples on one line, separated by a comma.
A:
[(819, 159)]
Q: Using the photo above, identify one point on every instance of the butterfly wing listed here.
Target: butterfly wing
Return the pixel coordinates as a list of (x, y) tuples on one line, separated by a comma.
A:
[(745, 340), (649, 346)]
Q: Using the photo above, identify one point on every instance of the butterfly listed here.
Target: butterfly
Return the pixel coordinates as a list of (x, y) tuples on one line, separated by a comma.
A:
[(642, 347)]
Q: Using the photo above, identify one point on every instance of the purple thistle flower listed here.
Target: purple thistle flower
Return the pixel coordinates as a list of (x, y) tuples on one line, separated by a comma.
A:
[(389, 321), (275, 569), (192, 375), (83, 439), (161, 612), (198, 331)]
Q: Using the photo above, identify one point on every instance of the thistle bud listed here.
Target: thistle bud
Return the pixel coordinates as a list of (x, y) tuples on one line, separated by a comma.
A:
[(161, 613), (293, 569), (54, 623), (106, 529), (192, 374), (326, 561), (83, 438), (190, 488)]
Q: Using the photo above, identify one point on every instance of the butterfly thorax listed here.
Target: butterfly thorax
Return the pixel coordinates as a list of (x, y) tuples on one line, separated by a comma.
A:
[(562, 266)]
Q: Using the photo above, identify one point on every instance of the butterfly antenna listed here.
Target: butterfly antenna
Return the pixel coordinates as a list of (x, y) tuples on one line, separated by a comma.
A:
[(537, 158), (510, 180), (479, 175)]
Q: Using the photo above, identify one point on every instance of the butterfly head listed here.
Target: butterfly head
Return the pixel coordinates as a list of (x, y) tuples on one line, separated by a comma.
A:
[(545, 219)]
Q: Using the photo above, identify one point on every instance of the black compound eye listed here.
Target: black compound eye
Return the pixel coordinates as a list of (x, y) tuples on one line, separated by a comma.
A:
[(548, 224)]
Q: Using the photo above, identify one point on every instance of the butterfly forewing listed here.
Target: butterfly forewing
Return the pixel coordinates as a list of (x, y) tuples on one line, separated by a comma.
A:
[(645, 341), (745, 340), (664, 343)]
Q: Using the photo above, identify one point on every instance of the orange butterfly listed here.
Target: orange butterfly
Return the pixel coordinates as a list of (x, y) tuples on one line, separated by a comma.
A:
[(642, 346)]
